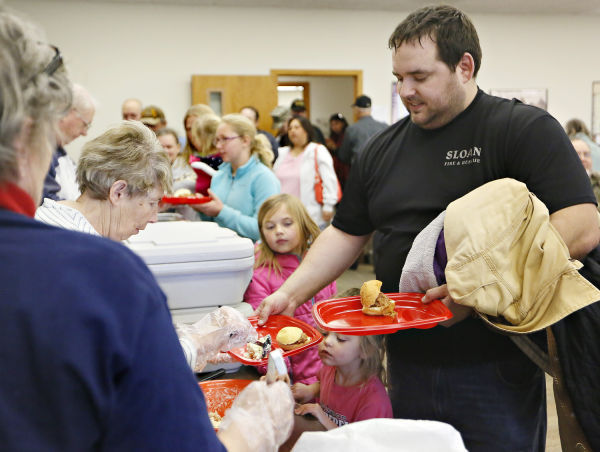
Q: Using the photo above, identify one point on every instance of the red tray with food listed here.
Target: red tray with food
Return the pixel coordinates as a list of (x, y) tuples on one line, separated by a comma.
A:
[(193, 199), (219, 396), (296, 337), (344, 315)]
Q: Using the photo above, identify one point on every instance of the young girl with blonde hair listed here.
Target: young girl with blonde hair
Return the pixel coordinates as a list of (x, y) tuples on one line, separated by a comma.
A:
[(286, 232), (351, 384), (244, 179), (202, 136)]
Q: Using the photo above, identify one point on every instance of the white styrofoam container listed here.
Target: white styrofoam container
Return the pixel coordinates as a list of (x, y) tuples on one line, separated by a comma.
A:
[(197, 264)]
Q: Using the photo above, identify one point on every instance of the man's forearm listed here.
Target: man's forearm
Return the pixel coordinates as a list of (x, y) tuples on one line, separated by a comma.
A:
[(579, 228), (331, 254)]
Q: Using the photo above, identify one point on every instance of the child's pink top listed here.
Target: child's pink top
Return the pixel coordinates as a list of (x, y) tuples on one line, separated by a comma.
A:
[(305, 365), (345, 404)]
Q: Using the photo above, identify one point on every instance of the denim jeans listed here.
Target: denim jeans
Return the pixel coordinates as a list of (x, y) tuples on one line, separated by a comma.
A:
[(495, 405)]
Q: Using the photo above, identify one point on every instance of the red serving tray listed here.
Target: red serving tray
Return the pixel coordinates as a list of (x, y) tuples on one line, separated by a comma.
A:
[(344, 315), (186, 199), (220, 394), (272, 327)]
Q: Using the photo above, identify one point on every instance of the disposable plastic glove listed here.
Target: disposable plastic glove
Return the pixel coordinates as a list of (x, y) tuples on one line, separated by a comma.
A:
[(260, 419), (220, 330)]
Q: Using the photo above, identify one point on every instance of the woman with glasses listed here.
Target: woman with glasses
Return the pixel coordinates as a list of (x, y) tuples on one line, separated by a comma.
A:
[(95, 363), (122, 175), (244, 180), (60, 181)]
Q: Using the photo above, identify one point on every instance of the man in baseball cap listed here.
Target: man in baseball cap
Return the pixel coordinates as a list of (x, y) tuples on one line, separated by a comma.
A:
[(153, 117), (358, 133)]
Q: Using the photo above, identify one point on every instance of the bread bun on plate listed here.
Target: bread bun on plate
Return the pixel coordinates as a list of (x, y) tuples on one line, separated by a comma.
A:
[(182, 192), (375, 302), (291, 337)]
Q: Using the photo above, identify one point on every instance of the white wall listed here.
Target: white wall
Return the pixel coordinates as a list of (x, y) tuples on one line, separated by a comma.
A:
[(151, 51)]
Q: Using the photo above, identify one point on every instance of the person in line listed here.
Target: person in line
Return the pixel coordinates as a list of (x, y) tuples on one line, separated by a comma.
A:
[(123, 173), (153, 117), (337, 129), (204, 130), (243, 181), (351, 382), (252, 114), (455, 139), (359, 133), (94, 359), (183, 174), (286, 232), (131, 110), (585, 155), (193, 113), (60, 180), (280, 116), (576, 129), (295, 168), (298, 108)]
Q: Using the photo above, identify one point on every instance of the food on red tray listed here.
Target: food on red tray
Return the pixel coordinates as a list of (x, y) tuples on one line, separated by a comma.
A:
[(259, 349), (215, 419), (375, 302), (182, 193), (291, 337)]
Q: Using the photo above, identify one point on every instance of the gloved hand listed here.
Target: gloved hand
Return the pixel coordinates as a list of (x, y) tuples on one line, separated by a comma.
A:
[(260, 419), (220, 330)]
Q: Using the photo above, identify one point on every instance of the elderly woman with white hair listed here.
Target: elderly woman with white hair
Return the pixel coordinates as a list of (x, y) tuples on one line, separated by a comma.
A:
[(93, 360), (122, 175)]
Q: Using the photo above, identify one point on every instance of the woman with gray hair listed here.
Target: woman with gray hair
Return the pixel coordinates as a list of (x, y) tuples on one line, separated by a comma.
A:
[(95, 363), (122, 175)]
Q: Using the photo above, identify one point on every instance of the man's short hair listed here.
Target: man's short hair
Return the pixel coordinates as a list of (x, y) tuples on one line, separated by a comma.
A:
[(451, 30), (250, 107)]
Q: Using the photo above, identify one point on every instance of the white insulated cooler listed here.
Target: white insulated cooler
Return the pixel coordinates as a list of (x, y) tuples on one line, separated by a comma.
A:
[(198, 264)]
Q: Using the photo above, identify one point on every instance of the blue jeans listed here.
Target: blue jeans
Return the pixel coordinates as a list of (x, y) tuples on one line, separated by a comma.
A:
[(495, 405)]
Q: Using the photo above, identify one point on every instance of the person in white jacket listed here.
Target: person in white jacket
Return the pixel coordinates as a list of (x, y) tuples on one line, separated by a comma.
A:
[(296, 170)]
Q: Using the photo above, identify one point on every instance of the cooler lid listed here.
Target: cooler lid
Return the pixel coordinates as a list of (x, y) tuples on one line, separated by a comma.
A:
[(188, 241)]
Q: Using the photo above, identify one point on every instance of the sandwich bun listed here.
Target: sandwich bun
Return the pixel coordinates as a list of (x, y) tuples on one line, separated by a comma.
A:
[(291, 337), (369, 292), (375, 302), (182, 192)]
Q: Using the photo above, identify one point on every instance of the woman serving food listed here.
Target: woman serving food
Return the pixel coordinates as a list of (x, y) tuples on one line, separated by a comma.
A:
[(122, 175)]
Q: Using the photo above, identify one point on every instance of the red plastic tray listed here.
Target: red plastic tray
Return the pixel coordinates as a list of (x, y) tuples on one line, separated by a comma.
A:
[(344, 315), (272, 327), (220, 394), (186, 199)]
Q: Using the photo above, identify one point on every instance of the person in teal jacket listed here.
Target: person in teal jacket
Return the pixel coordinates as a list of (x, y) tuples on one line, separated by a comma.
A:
[(244, 179)]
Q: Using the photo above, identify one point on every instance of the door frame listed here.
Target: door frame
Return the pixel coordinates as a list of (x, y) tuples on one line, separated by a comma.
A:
[(357, 76), (305, 94)]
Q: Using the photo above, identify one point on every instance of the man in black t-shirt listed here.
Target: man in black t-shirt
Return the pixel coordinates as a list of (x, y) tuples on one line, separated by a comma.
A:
[(456, 139)]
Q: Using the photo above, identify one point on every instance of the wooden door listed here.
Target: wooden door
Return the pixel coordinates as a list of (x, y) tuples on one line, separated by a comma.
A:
[(233, 92)]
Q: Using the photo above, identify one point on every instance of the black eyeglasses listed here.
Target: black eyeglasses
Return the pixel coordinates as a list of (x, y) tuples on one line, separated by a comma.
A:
[(54, 64)]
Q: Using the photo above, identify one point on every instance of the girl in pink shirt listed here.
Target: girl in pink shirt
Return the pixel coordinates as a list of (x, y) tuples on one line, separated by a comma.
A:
[(286, 232), (350, 386)]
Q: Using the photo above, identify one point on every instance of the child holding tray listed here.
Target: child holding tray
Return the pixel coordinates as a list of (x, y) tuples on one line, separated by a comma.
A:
[(286, 232)]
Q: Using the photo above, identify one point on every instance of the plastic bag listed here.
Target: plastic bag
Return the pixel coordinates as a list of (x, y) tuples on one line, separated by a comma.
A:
[(220, 330), (384, 435), (260, 419)]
